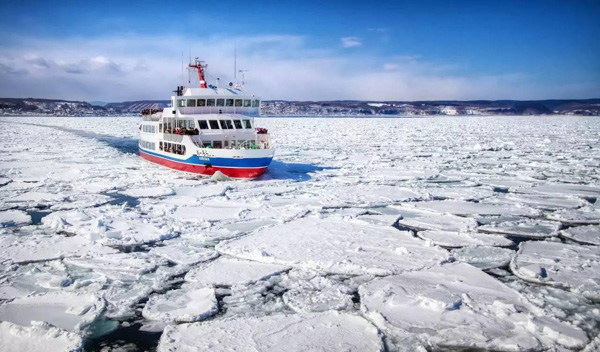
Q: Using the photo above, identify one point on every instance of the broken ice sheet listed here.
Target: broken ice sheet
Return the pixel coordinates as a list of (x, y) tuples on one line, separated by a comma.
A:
[(10, 218), (149, 192), (187, 304), (225, 271), (184, 252), (418, 220), (464, 208), (582, 216), (310, 292), (458, 306), (572, 267), (544, 202), (484, 257), (335, 246), (583, 234), (70, 311), (297, 332), (528, 228), (39, 336), (449, 239), (366, 195)]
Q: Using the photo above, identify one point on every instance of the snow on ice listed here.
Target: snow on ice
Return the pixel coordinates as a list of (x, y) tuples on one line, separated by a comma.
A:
[(94, 238)]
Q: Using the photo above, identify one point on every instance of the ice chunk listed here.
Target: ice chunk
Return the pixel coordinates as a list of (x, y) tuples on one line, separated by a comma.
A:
[(35, 248), (229, 271), (469, 208), (363, 195), (149, 192), (572, 267), (584, 191), (583, 216), (540, 202), (202, 191), (330, 331), (310, 292), (335, 246), (185, 305), (430, 220), (66, 310), (35, 199), (117, 266), (484, 257), (11, 218), (184, 252), (463, 239), (37, 337), (458, 306), (523, 228), (584, 234)]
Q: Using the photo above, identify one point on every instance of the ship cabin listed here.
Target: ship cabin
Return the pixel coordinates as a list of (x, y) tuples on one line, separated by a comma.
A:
[(214, 118)]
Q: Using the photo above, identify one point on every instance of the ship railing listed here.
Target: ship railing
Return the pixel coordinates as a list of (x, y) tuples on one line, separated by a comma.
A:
[(219, 110), (170, 137)]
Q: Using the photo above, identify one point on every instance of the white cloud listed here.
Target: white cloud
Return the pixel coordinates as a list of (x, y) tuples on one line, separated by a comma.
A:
[(351, 42), (280, 67)]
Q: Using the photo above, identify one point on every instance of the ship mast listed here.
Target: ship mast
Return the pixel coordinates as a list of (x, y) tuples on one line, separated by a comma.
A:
[(198, 65)]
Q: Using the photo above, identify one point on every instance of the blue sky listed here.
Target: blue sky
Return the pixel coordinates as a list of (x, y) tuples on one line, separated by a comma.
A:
[(400, 50)]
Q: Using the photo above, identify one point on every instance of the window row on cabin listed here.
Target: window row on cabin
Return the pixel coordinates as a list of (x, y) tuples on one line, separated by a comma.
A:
[(245, 103), (224, 124), (149, 128), (249, 144), (147, 145), (172, 148)]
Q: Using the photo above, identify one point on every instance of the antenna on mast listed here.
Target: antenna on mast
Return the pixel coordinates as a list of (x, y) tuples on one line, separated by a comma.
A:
[(189, 72), (182, 81)]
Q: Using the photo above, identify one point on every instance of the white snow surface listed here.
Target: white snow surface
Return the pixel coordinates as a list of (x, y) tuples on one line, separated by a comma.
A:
[(38, 337), (459, 305), (229, 271), (336, 210), (329, 331), (335, 246), (572, 267)]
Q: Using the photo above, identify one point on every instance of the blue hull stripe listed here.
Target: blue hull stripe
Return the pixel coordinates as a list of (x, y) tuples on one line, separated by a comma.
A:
[(219, 162)]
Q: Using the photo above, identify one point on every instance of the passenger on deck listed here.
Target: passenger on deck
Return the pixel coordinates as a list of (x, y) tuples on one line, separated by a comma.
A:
[(196, 132)]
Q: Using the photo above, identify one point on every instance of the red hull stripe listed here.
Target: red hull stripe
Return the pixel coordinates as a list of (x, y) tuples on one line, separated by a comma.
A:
[(201, 169)]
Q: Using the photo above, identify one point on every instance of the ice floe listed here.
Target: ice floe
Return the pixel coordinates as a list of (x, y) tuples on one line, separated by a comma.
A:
[(451, 239), (230, 271), (429, 220), (583, 234), (528, 228), (11, 218), (329, 331), (184, 305), (335, 246), (149, 192), (484, 257), (572, 267), (458, 306), (184, 252), (583, 216), (37, 337), (66, 310), (464, 208), (310, 292)]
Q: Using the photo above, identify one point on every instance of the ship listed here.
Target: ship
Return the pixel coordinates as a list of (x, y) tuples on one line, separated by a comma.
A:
[(208, 129)]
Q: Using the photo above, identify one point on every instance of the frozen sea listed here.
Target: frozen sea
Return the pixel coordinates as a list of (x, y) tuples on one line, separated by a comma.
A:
[(378, 234)]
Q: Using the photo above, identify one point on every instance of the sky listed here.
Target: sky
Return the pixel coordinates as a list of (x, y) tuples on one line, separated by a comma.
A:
[(303, 50)]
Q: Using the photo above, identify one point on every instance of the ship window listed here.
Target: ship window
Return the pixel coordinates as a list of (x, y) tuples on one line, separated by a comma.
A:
[(237, 124), (181, 103), (225, 144), (214, 124), (255, 103), (192, 103), (247, 124), (229, 102), (206, 144), (180, 123), (247, 103), (223, 124), (229, 124), (203, 124), (201, 102), (238, 102), (220, 102), (217, 144), (160, 127), (160, 147), (210, 102)]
